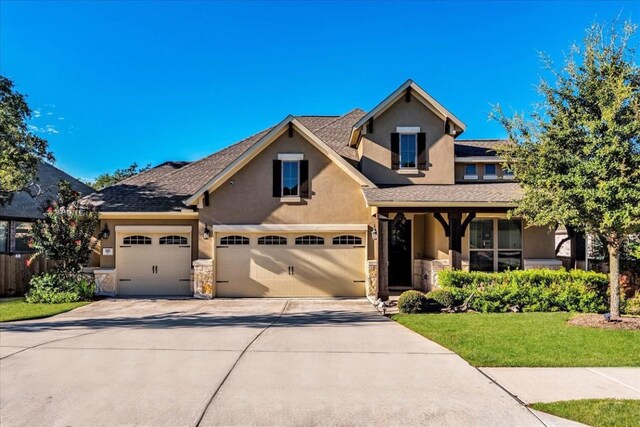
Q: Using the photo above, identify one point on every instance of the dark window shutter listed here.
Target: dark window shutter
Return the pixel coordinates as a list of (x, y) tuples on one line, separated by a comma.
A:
[(304, 179), (395, 150), (422, 151), (277, 178)]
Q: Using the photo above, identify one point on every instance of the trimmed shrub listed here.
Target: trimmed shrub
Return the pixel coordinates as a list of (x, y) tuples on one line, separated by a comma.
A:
[(412, 302), (442, 297), (531, 290), (52, 288), (632, 305)]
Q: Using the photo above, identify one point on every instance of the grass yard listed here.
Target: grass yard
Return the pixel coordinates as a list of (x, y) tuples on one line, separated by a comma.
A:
[(18, 309), (596, 412), (526, 339)]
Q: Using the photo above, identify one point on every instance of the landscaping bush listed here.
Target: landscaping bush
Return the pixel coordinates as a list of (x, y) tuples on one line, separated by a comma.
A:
[(55, 288), (529, 290), (632, 305), (442, 297), (412, 302)]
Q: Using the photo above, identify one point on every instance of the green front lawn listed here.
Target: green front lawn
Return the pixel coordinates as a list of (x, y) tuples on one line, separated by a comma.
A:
[(18, 309), (526, 339), (596, 412)]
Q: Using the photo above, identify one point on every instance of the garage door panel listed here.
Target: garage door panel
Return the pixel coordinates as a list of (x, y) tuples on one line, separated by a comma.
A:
[(154, 269), (263, 271)]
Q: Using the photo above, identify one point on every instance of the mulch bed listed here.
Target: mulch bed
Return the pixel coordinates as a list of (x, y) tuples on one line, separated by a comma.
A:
[(598, 321)]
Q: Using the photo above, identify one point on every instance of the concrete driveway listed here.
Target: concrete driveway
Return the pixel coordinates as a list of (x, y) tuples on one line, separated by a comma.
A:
[(238, 362)]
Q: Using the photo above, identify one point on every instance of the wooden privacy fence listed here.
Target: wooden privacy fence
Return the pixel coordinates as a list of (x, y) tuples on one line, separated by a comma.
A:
[(15, 274)]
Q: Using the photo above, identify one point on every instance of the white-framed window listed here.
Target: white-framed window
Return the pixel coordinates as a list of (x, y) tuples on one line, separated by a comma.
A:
[(136, 240), (347, 239), (470, 171), (490, 171), (408, 150), (507, 174), (309, 240), (234, 240), (272, 240), (290, 178), (495, 244)]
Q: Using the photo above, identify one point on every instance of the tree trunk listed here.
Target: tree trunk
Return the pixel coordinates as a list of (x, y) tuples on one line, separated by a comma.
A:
[(614, 283)]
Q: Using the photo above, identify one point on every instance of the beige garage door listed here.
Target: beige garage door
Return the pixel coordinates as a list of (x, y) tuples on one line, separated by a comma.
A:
[(153, 263), (290, 265)]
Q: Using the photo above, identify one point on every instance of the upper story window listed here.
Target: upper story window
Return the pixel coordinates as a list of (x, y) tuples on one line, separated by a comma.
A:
[(290, 178), (507, 174), (470, 171), (408, 150), (490, 171)]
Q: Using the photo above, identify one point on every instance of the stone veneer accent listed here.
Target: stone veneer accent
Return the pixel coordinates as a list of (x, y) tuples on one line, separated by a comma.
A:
[(106, 282), (372, 279), (202, 279)]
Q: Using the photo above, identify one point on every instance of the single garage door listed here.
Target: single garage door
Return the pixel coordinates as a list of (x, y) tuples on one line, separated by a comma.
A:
[(290, 265), (153, 263)]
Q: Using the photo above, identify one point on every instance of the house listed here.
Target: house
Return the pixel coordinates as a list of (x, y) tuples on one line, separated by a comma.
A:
[(17, 217), (351, 205)]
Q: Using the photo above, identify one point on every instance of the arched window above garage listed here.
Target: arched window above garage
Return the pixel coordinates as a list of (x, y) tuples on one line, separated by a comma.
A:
[(309, 240), (347, 239), (234, 240), (173, 240), (136, 240), (272, 240)]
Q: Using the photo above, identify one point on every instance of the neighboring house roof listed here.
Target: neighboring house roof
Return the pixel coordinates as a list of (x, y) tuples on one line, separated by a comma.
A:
[(166, 187), (421, 94), (500, 193), (29, 204), (477, 147)]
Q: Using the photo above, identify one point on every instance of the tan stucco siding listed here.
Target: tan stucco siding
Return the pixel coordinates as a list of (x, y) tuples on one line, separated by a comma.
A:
[(436, 243), (375, 147), (335, 197), (539, 242), (110, 261)]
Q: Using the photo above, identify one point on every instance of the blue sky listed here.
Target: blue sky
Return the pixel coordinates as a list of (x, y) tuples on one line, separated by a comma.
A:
[(150, 81)]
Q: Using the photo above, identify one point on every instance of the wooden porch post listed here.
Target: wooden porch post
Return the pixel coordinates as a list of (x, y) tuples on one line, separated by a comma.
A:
[(383, 258), (455, 240)]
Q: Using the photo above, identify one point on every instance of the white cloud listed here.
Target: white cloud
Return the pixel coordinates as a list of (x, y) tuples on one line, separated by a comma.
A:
[(36, 113), (60, 118), (49, 113), (50, 129)]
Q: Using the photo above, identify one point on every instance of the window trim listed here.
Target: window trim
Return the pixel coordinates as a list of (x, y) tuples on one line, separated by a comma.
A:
[(495, 250), (289, 197), (471, 176), (493, 175), (309, 240), (415, 146)]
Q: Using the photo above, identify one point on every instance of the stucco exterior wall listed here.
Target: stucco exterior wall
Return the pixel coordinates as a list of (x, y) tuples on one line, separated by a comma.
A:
[(436, 243), (376, 146), (110, 261), (247, 196), (539, 242)]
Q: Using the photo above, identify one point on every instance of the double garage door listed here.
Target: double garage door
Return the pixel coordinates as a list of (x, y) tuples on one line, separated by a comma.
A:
[(290, 265), (151, 263)]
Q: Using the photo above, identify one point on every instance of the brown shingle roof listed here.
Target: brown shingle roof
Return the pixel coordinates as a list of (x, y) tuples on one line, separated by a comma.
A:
[(30, 203), (165, 187), (477, 147), (499, 192)]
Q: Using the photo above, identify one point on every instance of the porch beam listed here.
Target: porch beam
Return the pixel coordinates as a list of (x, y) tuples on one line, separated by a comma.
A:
[(438, 216), (470, 217), (455, 241), (444, 210), (383, 258)]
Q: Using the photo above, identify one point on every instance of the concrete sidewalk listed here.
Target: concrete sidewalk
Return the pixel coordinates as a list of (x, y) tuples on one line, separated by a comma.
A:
[(532, 385)]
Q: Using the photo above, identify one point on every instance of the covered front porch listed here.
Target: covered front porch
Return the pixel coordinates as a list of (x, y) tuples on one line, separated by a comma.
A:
[(415, 243)]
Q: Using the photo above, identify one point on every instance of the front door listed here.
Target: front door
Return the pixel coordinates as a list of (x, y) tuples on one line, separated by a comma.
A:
[(400, 268)]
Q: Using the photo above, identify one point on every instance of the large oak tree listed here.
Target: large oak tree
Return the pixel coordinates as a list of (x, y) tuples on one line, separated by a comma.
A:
[(577, 155)]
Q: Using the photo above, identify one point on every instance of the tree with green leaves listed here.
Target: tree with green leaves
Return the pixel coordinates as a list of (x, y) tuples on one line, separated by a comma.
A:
[(108, 179), (577, 156), (20, 149), (64, 235)]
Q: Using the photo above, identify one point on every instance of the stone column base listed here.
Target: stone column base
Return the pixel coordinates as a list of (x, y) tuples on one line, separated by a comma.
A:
[(106, 282), (203, 279), (372, 279)]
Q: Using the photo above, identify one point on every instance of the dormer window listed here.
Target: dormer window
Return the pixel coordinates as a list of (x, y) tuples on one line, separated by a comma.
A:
[(490, 171), (470, 171), (408, 150)]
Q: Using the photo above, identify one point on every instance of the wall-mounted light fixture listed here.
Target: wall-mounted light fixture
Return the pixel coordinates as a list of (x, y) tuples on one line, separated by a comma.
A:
[(105, 233), (374, 233), (206, 233)]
